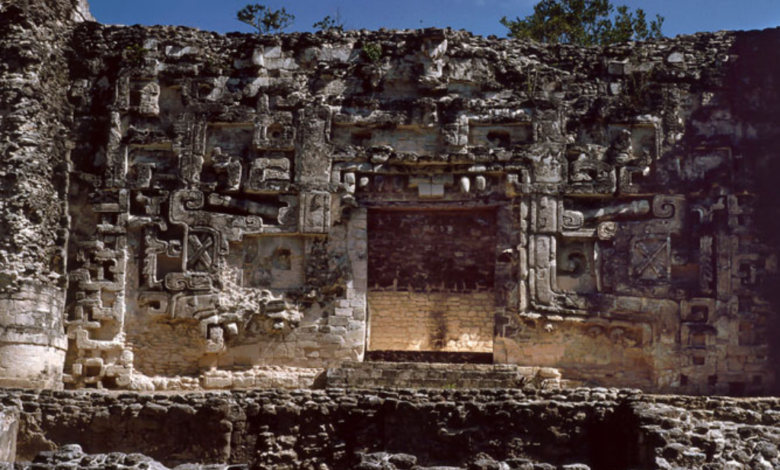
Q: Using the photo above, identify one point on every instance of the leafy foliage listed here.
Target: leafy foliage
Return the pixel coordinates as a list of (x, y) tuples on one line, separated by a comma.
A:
[(584, 22), (328, 23), (264, 19), (135, 54), (373, 51)]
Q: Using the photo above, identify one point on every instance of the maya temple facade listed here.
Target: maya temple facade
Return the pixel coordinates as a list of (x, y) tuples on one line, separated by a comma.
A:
[(182, 210)]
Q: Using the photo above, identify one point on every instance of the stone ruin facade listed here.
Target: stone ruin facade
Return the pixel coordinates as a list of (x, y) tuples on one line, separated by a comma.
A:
[(182, 210), (458, 243)]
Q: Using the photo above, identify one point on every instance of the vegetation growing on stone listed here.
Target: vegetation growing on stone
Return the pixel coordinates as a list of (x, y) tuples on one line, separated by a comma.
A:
[(330, 23), (372, 51), (264, 19), (135, 54), (584, 22)]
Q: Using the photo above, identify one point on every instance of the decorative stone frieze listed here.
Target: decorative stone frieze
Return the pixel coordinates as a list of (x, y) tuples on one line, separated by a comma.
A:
[(239, 202)]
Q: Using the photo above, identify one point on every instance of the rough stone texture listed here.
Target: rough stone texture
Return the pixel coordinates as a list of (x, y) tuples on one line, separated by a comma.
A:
[(437, 321), (72, 456), (442, 375), (431, 280), (199, 211), (35, 143), (9, 430), (220, 205), (598, 429), (420, 251)]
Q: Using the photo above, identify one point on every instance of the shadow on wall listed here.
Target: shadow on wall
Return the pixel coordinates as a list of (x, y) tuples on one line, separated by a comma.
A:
[(755, 99)]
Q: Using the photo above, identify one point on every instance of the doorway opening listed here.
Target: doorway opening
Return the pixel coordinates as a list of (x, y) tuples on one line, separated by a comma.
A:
[(431, 285)]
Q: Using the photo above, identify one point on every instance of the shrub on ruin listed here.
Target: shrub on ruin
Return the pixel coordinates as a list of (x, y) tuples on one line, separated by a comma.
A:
[(330, 23), (584, 22), (372, 51), (135, 54), (264, 19)]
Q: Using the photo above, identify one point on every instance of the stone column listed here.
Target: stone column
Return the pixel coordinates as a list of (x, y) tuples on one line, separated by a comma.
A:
[(34, 112)]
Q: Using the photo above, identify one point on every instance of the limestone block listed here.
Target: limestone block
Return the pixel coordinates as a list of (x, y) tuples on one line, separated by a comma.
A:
[(9, 429), (32, 340)]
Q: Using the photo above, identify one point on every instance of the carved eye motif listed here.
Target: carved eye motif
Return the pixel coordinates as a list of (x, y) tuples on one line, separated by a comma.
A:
[(275, 132)]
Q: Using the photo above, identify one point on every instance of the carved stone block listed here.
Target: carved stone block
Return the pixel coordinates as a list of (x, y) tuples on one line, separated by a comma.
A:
[(145, 98), (651, 258), (268, 169), (697, 310), (315, 212), (546, 219), (275, 132)]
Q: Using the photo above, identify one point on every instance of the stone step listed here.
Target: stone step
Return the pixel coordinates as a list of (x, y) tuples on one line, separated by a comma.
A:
[(436, 375)]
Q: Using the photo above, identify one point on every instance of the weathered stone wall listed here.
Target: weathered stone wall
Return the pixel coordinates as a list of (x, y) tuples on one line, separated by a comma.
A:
[(9, 431), (234, 200), (619, 353), (417, 251), (431, 280), (35, 143), (441, 375), (436, 321), (603, 429), (603, 198)]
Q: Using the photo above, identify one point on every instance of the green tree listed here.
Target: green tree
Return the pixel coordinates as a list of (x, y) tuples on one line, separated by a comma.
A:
[(584, 22), (264, 19), (329, 22)]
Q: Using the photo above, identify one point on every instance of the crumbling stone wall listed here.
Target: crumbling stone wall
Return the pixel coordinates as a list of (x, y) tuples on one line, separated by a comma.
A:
[(598, 429), (35, 143), (222, 189)]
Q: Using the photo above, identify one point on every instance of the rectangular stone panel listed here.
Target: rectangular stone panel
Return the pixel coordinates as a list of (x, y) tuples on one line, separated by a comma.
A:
[(436, 321), (402, 139), (500, 136), (270, 262)]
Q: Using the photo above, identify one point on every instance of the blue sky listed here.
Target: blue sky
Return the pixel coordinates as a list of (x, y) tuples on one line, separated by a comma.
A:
[(478, 16)]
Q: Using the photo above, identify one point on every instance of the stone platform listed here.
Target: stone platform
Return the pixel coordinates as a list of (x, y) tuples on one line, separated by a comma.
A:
[(393, 429), (432, 375)]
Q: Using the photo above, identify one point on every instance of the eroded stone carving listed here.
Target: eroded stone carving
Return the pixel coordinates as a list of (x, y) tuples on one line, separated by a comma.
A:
[(241, 206)]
